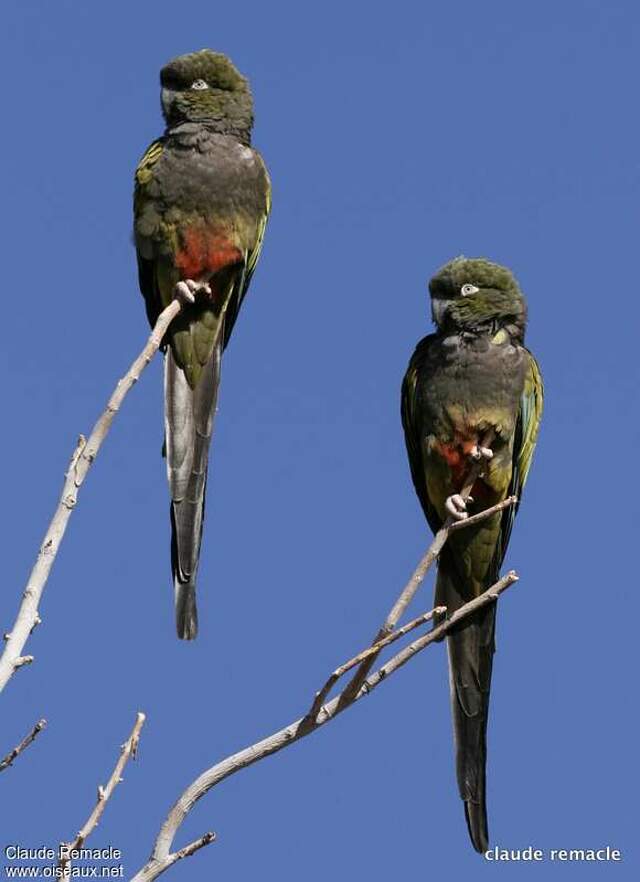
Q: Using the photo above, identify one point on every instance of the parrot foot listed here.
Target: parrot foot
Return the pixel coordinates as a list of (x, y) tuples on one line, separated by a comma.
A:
[(478, 453), (457, 507), (187, 289)]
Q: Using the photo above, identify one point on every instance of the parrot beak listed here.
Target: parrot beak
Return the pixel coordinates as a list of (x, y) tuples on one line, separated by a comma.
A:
[(438, 310), (166, 98)]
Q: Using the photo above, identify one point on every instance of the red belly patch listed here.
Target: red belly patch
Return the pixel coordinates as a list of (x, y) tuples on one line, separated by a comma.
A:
[(204, 253), (457, 456)]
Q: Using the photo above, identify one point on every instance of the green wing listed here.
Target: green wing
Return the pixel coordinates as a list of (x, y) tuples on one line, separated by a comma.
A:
[(524, 442), (252, 258), (146, 266), (411, 426)]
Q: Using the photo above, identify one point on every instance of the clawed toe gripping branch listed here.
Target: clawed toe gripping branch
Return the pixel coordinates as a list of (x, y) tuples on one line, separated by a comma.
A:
[(321, 711)]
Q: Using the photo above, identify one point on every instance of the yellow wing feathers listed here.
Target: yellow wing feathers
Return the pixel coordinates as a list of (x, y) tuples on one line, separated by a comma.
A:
[(144, 171)]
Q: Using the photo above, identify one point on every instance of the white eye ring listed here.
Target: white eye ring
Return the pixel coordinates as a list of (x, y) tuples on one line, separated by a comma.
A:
[(199, 85), (468, 289)]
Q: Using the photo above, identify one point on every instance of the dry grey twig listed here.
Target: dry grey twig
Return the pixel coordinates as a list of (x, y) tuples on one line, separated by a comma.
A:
[(81, 461), (162, 857), (26, 741), (128, 751)]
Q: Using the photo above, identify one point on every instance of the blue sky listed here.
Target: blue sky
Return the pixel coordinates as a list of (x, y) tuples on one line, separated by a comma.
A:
[(396, 137)]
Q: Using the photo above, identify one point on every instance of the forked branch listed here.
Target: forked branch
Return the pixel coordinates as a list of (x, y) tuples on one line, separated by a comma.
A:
[(162, 857), (407, 595), (321, 711)]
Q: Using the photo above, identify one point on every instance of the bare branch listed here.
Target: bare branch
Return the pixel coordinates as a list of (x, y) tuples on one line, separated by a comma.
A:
[(129, 750), (408, 592), (190, 849), (321, 696), (489, 596), (81, 461), (28, 618), (162, 857), (26, 741)]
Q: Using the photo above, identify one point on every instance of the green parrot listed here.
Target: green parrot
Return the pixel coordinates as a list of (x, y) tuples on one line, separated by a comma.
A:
[(201, 202), (472, 377)]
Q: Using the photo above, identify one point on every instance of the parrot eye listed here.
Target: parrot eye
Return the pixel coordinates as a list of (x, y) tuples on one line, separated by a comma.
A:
[(199, 85), (468, 289)]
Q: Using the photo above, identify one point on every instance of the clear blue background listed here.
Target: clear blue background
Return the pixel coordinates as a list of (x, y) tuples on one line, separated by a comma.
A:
[(397, 136)]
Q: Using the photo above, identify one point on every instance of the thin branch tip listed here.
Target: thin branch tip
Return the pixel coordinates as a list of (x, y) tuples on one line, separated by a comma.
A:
[(104, 793), (190, 849), (82, 458), (26, 741)]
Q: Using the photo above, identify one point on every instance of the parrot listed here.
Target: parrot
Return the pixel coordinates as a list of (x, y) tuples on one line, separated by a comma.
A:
[(471, 380), (202, 197)]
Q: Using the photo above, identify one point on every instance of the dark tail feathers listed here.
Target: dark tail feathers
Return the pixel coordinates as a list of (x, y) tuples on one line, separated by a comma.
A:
[(471, 648), (476, 815)]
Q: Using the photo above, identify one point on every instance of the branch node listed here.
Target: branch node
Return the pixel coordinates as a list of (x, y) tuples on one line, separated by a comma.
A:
[(190, 849), (23, 660)]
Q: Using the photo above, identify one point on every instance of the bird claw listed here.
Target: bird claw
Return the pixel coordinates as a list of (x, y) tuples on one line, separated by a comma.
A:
[(457, 507), (187, 289), (477, 453), (184, 293)]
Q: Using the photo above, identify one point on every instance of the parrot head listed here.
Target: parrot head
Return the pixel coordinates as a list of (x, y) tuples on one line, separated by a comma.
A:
[(473, 293), (205, 87)]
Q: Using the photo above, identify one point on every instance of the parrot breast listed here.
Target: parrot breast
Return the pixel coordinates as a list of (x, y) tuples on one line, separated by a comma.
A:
[(203, 252)]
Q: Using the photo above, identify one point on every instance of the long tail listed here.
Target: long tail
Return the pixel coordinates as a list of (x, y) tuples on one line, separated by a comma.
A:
[(471, 648), (189, 417)]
